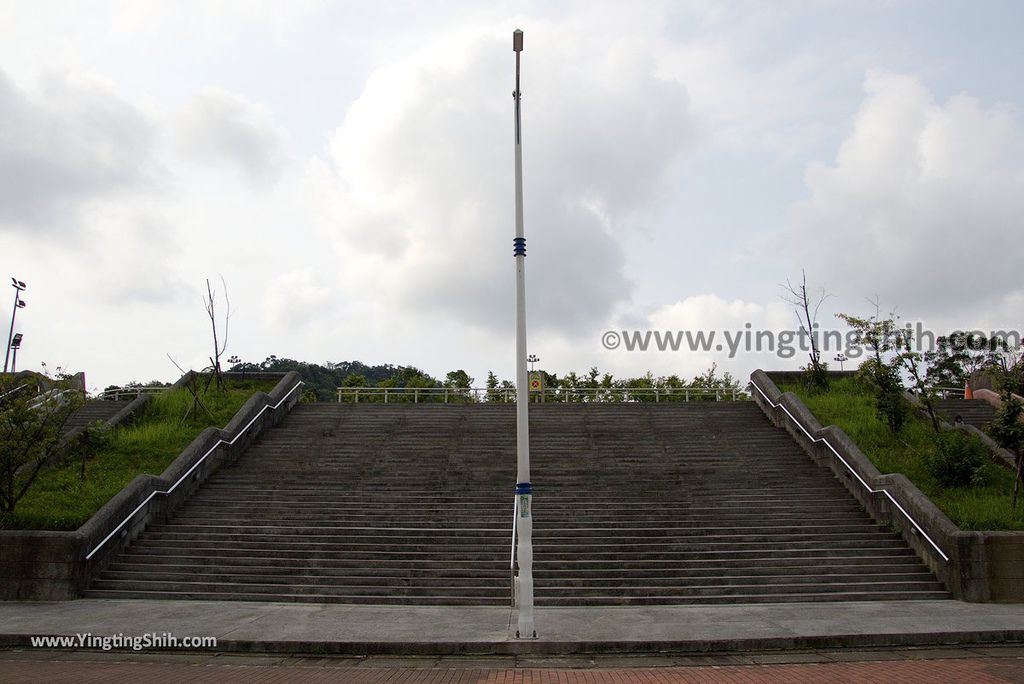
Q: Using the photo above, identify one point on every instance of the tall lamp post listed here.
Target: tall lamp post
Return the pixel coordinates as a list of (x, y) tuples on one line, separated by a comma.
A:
[(524, 491), (15, 346), (19, 303)]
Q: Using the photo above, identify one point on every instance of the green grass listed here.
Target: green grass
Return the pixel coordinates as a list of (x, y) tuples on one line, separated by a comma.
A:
[(849, 405), (61, 500)]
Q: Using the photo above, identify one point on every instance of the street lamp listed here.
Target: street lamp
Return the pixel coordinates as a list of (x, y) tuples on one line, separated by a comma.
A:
[(19, 303), (524, 490), (15, 346), (840, 358), (532, 358)]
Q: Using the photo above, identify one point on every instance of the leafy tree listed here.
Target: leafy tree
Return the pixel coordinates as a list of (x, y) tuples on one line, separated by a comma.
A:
[(325, 379), (459, 381), (493, 394), (1008, 431), (881, 372), (957, 356), (923, 383), (1009, 371), (31, 432)]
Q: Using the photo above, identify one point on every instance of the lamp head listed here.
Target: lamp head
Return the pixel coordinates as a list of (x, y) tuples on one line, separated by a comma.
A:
[(517, 40)]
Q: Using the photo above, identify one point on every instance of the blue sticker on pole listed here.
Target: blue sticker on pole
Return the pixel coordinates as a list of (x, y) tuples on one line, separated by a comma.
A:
[(519, 246), (524, 488)]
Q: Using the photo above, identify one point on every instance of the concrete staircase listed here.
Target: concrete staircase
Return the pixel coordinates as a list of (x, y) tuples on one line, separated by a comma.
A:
[(93, 410), (974, 412), (667, 503)]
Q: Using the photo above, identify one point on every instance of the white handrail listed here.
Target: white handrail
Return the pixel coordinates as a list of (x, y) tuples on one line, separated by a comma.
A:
[(17, 389), (194, 466), (131, 391), (866, 486), (512, 555)]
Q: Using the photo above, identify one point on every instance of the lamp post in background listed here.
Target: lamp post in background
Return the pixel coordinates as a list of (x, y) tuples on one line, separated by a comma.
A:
[(841, 358), (15, 346), (524, 490), (19, 303)]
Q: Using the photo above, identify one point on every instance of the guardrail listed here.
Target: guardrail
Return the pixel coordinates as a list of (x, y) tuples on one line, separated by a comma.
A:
[(867, 487), (53, 395), (195, 465), (125, 392), (10, 393), (507, 395)]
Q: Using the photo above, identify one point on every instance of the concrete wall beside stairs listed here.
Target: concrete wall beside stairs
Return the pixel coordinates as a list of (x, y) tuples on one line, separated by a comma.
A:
[(981, 565), (51, 565)]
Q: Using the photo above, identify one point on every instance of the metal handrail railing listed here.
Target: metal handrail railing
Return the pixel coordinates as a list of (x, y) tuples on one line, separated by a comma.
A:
[(194, 466), (558, 395), (948, 392), (869, 488), (512, 555), (53, 395), (17, 389), (116, 394)]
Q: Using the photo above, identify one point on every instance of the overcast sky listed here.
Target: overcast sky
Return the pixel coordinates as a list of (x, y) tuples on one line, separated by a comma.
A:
[(347, 169)]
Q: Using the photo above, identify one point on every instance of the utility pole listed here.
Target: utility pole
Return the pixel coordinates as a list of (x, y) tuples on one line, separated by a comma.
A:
[(524, 490)]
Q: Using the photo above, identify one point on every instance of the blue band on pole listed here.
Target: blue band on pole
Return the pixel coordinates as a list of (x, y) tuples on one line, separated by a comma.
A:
[(518, 246), (524, 488)]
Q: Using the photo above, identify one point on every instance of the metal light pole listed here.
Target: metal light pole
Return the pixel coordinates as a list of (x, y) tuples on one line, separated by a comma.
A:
[(19, 303), (524, 491), (15, 346)]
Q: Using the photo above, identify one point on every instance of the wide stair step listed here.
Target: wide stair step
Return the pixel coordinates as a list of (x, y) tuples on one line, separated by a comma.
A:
[(642, 504)]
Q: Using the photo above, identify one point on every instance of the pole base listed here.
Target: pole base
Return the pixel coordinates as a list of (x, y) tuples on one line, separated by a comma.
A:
[(521, 637)]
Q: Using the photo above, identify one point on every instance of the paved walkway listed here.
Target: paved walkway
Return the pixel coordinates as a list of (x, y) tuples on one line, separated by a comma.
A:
[(916, 666), (320, 628)]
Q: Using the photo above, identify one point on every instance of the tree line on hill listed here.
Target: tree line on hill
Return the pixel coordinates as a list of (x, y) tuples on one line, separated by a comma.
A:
[(323, 381)]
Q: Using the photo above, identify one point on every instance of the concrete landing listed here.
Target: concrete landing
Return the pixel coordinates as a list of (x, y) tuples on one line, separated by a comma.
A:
[(345, 629)]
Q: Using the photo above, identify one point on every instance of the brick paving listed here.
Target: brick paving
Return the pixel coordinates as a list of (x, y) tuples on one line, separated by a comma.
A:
[(965, 670)]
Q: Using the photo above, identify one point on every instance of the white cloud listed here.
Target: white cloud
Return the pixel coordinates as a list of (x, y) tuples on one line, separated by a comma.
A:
[(222, 127), (922, 205), (70, 141), (417, 193), (295, 299)]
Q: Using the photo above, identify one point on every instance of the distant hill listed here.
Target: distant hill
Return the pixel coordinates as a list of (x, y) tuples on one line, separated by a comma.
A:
[(325, 379)]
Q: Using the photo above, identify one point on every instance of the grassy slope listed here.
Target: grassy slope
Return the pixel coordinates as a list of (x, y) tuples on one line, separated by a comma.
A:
[(852, 408), (61, 500)]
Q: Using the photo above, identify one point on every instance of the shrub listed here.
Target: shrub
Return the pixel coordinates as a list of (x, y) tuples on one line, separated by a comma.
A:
[(957, 461)]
